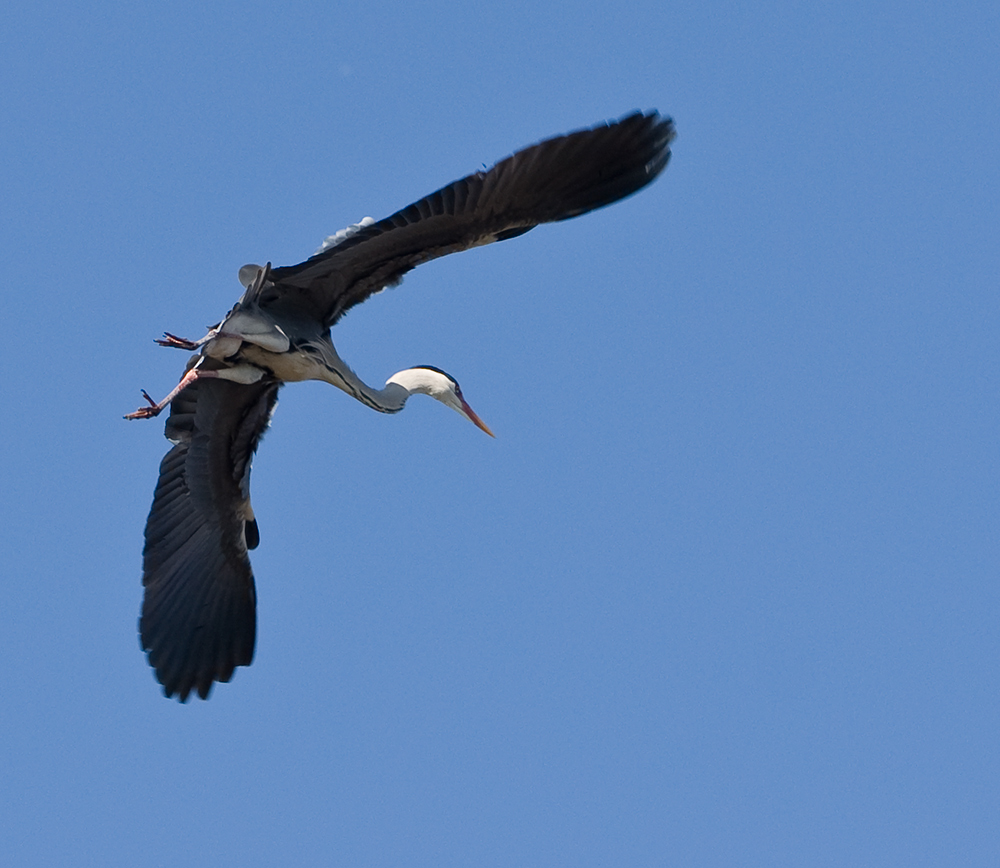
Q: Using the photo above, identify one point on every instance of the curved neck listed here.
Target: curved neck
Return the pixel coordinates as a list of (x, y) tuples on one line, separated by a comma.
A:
[(337, 372)]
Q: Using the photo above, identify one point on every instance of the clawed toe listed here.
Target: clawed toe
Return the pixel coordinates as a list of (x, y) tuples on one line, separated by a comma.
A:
[(146, 412), (169, 340)]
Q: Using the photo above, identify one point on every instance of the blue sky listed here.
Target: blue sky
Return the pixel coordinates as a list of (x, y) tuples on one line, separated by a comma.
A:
[(723, 591)]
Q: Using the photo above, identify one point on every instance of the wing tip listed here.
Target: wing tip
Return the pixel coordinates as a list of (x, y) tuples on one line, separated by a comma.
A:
[(181, 680)]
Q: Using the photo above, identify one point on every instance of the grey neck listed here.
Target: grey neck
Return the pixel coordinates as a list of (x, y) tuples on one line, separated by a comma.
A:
[(337, 372)]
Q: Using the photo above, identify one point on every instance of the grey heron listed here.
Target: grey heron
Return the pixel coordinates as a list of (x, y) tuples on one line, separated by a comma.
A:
[(198, 620)]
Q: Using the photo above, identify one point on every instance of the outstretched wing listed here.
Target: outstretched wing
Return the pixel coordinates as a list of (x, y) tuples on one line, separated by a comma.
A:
[(199, 617), (554, 180)]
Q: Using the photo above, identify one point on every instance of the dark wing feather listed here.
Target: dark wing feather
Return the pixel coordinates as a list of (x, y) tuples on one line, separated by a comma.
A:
[(199, 617), (557, 179)]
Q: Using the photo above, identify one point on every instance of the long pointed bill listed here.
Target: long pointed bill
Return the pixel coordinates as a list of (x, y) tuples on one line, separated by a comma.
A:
[(474, 419)]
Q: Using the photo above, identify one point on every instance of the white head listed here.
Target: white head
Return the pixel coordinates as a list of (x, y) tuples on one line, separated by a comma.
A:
[(427, 380)]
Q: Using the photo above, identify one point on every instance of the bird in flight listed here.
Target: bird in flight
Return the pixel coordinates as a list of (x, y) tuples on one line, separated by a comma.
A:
[(199, 610)]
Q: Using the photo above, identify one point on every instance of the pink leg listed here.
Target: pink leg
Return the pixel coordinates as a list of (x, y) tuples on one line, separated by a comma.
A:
[(155, 409)]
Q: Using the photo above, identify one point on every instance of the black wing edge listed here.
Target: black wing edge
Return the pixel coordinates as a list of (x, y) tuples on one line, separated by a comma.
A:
[(633, 163)]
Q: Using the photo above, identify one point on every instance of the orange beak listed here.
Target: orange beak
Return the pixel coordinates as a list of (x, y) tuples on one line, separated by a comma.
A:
[(479, 423)]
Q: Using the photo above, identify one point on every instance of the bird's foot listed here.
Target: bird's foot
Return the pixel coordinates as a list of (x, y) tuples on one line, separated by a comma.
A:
[(146, 412), (169, 340), (155, 409)]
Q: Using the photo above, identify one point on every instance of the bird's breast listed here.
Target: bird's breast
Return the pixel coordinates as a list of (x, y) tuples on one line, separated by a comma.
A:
[(292, 366)]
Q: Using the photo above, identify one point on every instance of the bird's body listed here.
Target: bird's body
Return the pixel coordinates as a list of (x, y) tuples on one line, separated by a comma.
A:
[(199, 611)]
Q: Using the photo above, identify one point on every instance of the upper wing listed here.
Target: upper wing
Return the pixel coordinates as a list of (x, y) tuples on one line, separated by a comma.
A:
[(199, 617), (554, 180)]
